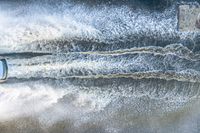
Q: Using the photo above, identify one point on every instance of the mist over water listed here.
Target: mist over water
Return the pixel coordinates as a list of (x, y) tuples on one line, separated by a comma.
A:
[(98, 66)]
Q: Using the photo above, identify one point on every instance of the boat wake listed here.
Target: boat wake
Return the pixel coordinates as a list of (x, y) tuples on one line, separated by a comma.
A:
[(97, 66)]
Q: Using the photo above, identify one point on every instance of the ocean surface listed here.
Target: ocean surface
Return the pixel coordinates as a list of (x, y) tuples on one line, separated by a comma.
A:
[(98, 66)]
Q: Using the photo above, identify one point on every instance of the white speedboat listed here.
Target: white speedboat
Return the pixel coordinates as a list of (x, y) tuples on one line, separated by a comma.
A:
[(3, 70)]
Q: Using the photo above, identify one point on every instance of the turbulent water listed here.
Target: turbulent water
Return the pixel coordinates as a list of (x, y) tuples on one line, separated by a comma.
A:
[(84, 66)]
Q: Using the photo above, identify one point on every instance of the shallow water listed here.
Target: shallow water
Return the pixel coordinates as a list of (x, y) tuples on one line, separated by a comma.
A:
[(98, 66)]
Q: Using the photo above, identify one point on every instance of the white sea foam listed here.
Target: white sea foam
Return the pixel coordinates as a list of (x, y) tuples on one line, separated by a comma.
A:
[(34, 99), (30, 24), (39, 88)]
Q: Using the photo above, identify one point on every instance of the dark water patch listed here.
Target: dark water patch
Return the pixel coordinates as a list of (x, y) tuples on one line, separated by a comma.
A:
[(144, 4), (22, 55)]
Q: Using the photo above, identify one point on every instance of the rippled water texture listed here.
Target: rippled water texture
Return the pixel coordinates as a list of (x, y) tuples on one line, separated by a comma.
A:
[(97, 66)]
